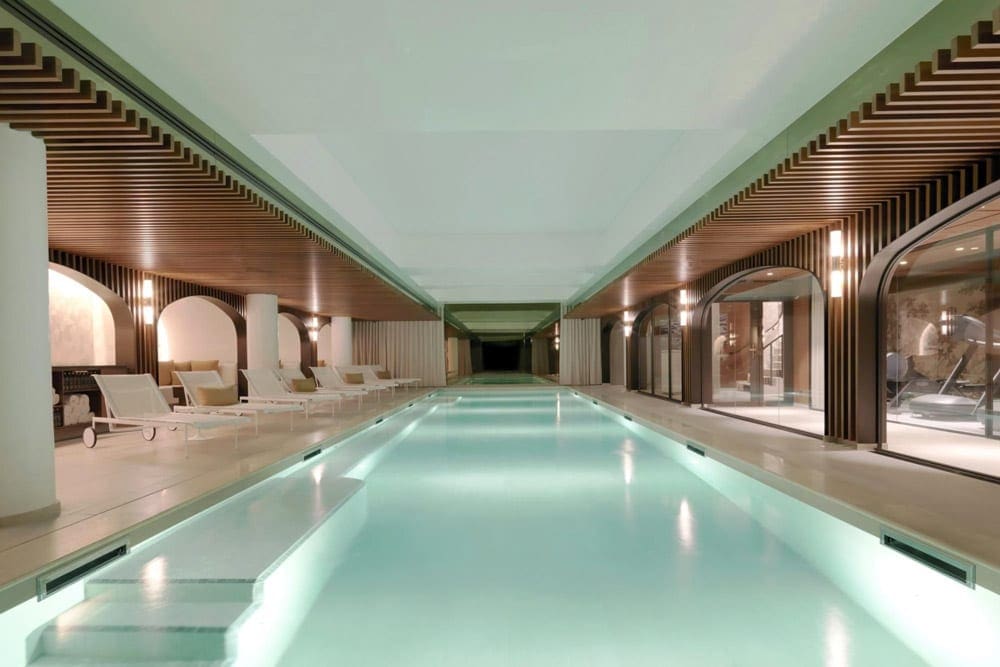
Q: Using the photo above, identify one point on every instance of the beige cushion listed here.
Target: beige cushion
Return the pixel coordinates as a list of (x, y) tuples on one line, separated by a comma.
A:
[(182, 365), (209, 365), (354, 378), (165, 373), (303, 384), (217, 395), (383, 375)]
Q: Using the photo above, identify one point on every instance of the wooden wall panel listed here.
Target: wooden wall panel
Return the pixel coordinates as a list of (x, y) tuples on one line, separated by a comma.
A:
[(123, 190)]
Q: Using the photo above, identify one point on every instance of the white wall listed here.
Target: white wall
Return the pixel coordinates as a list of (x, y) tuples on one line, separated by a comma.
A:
[(324, 344), (289, 343), (195, 329), (82, 330)]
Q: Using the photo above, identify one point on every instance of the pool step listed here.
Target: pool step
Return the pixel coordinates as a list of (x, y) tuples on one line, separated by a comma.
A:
[(185, 597), (140, 590), (55, 661), (105, 631)]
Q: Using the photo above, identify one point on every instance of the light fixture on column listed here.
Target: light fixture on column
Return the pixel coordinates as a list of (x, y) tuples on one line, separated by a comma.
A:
[(313, 327), (683, 301), (947, 322), (555, 341), (836, 263), (627, 323), (148, 317)]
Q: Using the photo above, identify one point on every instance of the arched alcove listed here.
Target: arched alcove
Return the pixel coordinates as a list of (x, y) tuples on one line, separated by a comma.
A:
[(200, 328), (294, 346), (89, 324), (763, 348), (929, 378)]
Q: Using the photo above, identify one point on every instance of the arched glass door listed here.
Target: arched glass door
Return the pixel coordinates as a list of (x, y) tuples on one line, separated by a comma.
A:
[(767, 336)]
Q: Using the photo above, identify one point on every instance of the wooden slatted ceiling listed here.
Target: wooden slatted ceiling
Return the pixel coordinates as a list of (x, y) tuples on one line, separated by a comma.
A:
[(122, 190), (942, 117)]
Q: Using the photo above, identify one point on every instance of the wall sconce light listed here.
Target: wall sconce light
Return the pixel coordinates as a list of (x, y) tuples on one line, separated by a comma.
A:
[(148, 316), (837, 263), (627, 330), (555, 341), (627, 319), (947, 322), (313, 327), (685, 314)]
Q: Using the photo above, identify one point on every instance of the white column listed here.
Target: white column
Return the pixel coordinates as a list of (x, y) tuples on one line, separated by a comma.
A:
[(341, 341), (27, 448), (262, 331)]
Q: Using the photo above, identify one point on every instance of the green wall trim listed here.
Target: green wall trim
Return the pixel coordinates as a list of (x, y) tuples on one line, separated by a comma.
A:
[(934, 31)]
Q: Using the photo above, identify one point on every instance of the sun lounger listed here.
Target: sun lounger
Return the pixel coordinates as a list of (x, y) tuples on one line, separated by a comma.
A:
[(289, 374), (265, 386), (327, 377), (136, 403), (410, 382), (368, 376), (191, 380)]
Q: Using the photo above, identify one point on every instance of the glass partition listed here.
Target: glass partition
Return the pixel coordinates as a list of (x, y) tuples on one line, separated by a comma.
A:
[(659, 353), (942, 365), (767, 336)]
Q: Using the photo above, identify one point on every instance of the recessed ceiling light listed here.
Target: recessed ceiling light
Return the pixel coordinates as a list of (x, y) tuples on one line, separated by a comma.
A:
[(975, 247), (959, 249), (770, 273), (904, 263)]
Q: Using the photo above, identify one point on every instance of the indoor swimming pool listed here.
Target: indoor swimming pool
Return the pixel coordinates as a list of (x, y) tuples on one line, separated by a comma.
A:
[(519, 527)]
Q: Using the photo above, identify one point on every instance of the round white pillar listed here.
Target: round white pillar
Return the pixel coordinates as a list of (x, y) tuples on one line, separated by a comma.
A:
[(262, 331), (341, 341), (27, 443)]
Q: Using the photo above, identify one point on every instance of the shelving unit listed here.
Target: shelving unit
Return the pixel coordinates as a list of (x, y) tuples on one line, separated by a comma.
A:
[(68, 380)]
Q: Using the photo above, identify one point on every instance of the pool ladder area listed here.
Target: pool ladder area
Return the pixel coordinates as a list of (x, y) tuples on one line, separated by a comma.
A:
[(194, 596)]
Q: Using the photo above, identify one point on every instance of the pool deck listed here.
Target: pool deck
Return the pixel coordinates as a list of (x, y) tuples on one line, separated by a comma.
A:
[(944, 509), (126, 487)]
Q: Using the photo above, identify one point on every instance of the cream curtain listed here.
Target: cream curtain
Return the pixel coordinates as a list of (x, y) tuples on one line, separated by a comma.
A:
[(580, 351), (464, 357), (540, 355), (406, 349), (616, 354)]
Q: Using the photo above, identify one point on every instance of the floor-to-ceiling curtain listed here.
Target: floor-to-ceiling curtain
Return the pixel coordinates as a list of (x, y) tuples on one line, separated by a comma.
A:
[(580, 351), (616, 355), (464, 357), (406, 349), (540, 355)]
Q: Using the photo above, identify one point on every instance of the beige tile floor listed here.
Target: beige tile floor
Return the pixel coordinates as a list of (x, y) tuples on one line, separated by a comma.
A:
[(128, 486), (972, 452), (952, 511)]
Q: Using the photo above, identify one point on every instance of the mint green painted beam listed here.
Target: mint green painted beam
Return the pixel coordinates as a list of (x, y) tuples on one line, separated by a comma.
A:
[(934, 31)]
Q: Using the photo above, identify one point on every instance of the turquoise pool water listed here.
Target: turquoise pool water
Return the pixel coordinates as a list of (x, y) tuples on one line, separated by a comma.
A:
[(531, 528), (503, 378)]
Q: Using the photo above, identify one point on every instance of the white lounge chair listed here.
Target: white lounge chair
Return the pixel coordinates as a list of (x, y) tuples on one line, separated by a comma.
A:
[(265, 386), (327, 377), (368, 375), (289, 374), (135, 402), (376, 368), (191, 380)]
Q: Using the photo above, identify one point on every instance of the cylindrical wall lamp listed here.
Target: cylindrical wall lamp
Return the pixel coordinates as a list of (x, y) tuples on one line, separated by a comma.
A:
[(148, 317), (313, 328), (836, 263), (684, 309)]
